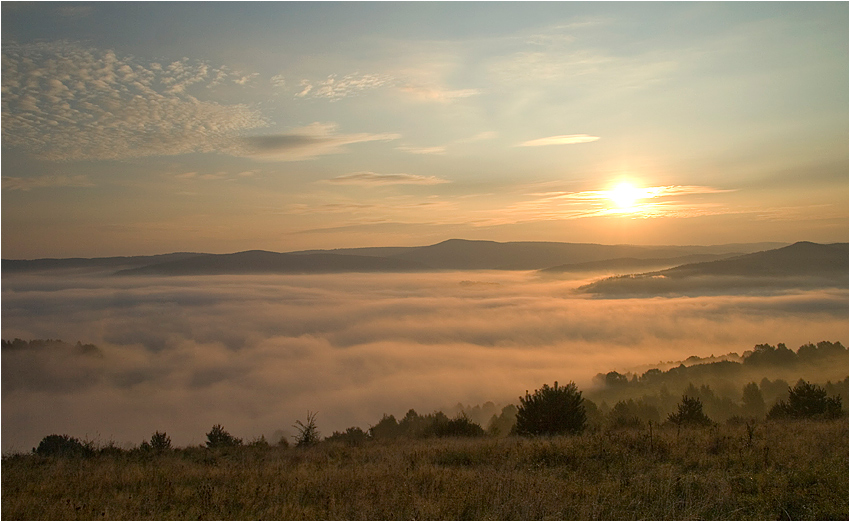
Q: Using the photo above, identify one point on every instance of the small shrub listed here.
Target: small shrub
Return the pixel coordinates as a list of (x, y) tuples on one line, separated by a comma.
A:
[(551, 411), (259, 442), (308, 434), (219, 438), (160, 442), (62, 446), (690, 413)]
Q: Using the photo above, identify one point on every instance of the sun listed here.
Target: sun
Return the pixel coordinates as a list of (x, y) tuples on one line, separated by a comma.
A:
[(625, 195)]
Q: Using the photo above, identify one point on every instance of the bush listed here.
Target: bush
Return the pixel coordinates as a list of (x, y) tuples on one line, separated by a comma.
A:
[(460, 426), (308, 434), (690, 413), (219, 438), (160, 442), (62, 446), (387, 428), (353, 436), (551, 411), (806, 400)]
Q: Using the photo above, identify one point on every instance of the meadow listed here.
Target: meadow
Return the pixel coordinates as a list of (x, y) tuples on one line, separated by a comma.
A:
[(788, 469)]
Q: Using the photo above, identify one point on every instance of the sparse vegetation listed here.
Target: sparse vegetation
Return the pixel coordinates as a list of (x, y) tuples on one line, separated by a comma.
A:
[(593, 463), (772, 470), (308, 434)]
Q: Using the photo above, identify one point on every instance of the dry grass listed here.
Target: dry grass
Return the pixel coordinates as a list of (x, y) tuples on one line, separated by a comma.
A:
[(788, 470)]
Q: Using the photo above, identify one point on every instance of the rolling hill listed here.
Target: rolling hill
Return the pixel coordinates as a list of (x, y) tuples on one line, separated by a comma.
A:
[(801, 265)]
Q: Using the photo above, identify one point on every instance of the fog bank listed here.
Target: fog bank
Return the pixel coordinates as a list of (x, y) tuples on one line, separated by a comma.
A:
[(254, 353)]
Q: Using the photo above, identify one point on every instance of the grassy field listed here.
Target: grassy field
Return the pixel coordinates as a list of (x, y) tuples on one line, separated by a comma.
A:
[(779, 470)]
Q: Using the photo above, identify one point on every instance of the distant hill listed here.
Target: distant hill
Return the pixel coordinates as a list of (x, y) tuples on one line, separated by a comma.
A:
[(463, 254), (114, 263), (801, 265), (630, 264), (803, 258), (453, 254), (260, 261)]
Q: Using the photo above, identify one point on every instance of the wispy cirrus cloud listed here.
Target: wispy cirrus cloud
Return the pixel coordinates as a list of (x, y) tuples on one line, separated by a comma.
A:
[(66, 102), (372, 178), (308, 142), (26, 184), (567, 139), (438, 94), (423, 150), (648, 202)]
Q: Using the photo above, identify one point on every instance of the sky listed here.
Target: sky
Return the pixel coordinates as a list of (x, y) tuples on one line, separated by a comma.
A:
[(146, 128)]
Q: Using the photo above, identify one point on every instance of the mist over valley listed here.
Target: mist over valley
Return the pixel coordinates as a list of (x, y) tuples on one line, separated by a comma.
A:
[(256, 351)]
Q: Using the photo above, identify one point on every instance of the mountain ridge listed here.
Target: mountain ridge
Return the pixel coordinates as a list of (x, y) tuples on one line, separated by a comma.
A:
[(452, 254)]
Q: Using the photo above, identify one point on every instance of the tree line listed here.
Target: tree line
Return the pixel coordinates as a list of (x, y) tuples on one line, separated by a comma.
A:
[(549, 411)]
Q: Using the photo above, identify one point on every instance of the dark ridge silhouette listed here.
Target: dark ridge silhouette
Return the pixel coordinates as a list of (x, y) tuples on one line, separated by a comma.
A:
[(800, 259), (633, 263), (801, 265), (453, 254), (32, 265), (462, 254), (262, 262)]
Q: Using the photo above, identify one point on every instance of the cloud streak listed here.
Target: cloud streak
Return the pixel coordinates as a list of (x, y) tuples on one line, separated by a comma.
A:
[(567, 139), (317, 139), (372, 178), (27, 184)]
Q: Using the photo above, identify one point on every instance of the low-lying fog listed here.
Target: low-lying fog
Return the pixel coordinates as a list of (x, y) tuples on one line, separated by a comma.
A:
[(255, 353)]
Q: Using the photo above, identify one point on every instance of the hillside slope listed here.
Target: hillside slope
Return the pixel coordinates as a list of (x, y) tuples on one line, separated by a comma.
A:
[(801, 265)]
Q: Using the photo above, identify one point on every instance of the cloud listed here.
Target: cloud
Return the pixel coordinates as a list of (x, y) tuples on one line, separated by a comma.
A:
[(654, 202), (278, 81), (66, 102), (569, 139), (26, 184), (481, 136), (308, 142), (333, 88), (372, 178), (242, 80), (423, 150), (254, 353), (438, 94)]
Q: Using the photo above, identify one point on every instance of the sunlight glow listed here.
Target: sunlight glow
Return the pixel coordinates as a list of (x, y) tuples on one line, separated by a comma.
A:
[(626, 196)]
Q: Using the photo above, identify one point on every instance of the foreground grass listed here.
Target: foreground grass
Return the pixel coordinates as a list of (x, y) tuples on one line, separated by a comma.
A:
[(788, 470)]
